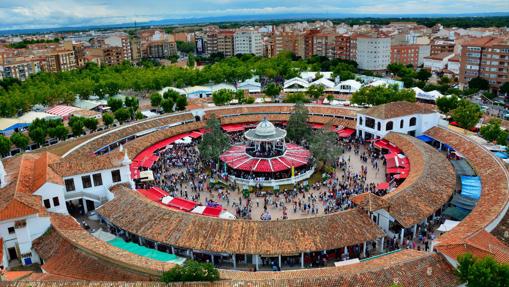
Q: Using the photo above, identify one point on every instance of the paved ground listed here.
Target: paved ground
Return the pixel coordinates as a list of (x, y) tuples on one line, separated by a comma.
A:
[(373, 176)]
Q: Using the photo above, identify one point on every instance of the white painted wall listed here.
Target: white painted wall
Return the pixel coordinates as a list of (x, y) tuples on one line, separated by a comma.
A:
[(423, 123), (49, 191), (373, 53)]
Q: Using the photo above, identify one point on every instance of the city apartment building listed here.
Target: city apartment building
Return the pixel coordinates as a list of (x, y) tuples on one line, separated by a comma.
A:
[(292, 41), (342, 47), (248, 42), (486, 57), (225, 43), (60, 61), (439, 46), (405, 54), (324, 44), (156, 44), (372, 52)]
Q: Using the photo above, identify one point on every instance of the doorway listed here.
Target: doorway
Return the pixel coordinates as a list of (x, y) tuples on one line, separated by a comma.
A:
[(13, 255)]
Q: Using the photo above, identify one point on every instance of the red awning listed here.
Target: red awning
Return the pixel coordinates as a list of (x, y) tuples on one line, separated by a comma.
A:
[(182, 204), (234, 128), (382, 186), (212, 211), (391, 163), (149, 161), (151, 194), (383, 144), (316, 126), (397, 170), (401, 175), (196, 134), (345, 133)]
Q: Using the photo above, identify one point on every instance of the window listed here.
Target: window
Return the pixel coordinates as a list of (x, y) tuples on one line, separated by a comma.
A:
[(115, 175), (47, 203), (413, 121), (10, 230), (69, 185), (98, 180), (87, 183), (360, 121), (388, 126), (378, 126), (56, 201), (370, 123), (401, 124)]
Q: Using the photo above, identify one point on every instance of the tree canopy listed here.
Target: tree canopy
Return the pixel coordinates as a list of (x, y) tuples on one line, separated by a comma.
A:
[(378, 95), (324, 145), (298, 128), (447, 104), (191, 271), (483, 272), (214, 141), (467, 114), (492, 131)]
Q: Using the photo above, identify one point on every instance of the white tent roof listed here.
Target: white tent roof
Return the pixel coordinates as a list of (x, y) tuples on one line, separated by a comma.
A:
[(378, 83), (312, 75), (199, 209), (227, 215), (323, 82), (223, 86), (296, 81), (149, 114), (197, 89), (167, 199), (164, 90), (448, 225), (186, 140)]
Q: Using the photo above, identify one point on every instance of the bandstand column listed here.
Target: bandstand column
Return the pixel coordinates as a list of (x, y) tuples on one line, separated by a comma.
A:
[(414, 231), (256, 262), (382, 245), (302, 260), (280, 266), (234, 259), (402, 235), (172, 250), (364, 249)]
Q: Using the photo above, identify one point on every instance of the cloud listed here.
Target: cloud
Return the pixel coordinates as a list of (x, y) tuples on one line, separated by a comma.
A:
[(17, 14)]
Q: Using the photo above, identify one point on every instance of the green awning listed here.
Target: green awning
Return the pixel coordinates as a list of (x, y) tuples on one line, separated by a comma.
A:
[(456, 213)]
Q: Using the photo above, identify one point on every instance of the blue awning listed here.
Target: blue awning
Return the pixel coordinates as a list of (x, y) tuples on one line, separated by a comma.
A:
[(425, 138), (448, 147), (15, 126), (501, 155), (471, 186)]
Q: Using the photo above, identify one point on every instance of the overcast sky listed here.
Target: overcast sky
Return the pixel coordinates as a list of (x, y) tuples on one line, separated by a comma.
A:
[(21, 14)]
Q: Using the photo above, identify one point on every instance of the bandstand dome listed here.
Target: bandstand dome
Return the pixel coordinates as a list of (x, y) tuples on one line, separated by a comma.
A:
[(265, 131)]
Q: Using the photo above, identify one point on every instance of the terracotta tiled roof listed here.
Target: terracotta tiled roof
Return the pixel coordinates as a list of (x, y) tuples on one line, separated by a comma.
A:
[(417, 197), (63, 259), (67, 228), (494, 181), (88, 163), (408, 268), (370, 201), (480, 244), (396, 109), (236, 236), (26, 174)]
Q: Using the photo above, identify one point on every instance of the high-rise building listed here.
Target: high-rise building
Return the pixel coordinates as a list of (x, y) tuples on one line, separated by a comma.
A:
[(225, 42), (486, 57), (248, 41), (292, 41), (372, 51), (324, 44), (439, 46), (343, 47)]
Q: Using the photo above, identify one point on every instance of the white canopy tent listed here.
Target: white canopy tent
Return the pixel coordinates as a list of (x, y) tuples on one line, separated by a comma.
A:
[(447, 225)]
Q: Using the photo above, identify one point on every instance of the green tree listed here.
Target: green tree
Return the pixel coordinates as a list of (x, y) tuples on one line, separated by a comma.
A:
[(181, 103), (115, 104), (222, 97), (38, 135), (156, 99), (138, 115), (479, 84), (315, 91), (108, 119), (502, 137), (167, 105), (504, 89), (171, 94), (77, 125), (60, 132), (132, 102), (186, 47), (296, 98), (191, 271), (214, 141), (423, 75), (467, 114), (491, 130), (5, 145), (298, 128), (122, 115), (91, 123), (191, 60), (377, 95), (249, 100), (324, 145), (447, 104), (20, 140), (272, 90), (483, 272)]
